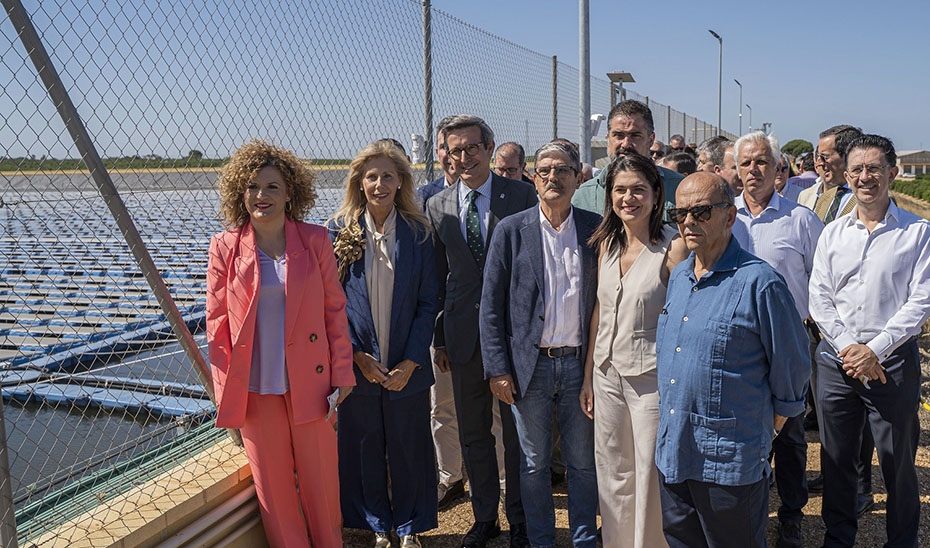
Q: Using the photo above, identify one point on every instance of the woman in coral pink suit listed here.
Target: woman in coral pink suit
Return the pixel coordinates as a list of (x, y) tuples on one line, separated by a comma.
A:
[(279, 341)]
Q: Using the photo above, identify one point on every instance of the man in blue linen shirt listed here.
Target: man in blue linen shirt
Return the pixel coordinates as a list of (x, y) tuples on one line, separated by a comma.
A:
[(783, 234), (724, 389)]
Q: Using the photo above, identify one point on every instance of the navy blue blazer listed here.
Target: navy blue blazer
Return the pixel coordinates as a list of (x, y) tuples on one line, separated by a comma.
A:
[(431, 189), (413, 309), (512, 309)]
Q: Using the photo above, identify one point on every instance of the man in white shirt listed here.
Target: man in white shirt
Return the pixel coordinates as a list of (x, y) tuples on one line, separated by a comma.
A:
[(783, 234), (870, 295)]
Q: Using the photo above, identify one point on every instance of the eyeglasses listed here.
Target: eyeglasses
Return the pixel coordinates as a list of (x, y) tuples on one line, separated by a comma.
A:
[(656, 154), (560, 171), (823, 158), (872, 169), (471, 150), (510, 172), (700, 213)]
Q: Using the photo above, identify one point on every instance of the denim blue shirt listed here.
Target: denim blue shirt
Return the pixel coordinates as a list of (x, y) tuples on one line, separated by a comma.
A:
[(731, 350)]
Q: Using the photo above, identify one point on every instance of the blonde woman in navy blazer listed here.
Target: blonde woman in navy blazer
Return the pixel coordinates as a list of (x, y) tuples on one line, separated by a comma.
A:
[(384, 426)]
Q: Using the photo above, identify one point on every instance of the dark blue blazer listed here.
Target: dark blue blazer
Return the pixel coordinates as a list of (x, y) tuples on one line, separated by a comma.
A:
[(512, 309), (431, 189), (413, 309)]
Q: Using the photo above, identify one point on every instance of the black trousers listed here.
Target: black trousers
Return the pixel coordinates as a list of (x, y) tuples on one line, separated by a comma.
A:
[(790, 449), (696, 514), (473, 401), (891, 412)]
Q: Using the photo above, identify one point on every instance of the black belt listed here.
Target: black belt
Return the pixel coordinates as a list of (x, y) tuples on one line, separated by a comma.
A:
[(560, 351)]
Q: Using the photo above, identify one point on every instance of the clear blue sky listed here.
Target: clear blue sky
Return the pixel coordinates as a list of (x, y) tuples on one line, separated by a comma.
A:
[(165, 78), (804, 66)]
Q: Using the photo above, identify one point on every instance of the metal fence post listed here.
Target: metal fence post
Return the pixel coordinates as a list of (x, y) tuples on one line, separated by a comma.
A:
[(668, 122), (8, 538), (555, 97), (24, 28), (428, 87), (684, 125)]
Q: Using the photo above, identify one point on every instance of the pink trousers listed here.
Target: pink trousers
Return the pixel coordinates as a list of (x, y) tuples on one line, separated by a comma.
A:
[(276, 447)]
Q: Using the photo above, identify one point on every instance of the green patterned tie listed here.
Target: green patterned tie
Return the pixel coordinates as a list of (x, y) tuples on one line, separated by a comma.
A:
[(473, 228)]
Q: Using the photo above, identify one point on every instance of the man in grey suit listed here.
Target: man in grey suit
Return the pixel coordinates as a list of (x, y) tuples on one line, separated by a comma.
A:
[(463, 217), (540, 285)]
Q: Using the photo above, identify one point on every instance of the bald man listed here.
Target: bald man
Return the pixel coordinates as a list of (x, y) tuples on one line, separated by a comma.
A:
[(733, 365)]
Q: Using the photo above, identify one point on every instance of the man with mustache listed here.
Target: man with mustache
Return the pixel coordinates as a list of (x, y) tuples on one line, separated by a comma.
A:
[(539, 292), (783, 234), (463, 217), (733, 365), (630, 130)]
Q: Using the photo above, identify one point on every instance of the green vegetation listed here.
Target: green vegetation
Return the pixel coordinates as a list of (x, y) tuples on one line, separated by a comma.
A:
[(918, 187), (796, 147), (125, 162), (193, 160)]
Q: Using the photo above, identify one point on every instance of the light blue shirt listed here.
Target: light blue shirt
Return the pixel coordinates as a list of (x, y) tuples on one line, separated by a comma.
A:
[(483, 203), (268, 374), (731, 350), (784, 235)]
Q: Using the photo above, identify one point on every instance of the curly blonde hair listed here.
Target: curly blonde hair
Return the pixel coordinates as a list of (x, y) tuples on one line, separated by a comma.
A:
[(246, 161), (405, 199)]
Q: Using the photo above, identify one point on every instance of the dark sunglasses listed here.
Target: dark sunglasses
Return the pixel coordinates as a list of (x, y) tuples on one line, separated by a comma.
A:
[(700, 213)]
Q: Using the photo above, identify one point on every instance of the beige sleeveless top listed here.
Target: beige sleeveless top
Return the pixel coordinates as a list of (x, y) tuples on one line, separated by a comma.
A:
[(629, 309)]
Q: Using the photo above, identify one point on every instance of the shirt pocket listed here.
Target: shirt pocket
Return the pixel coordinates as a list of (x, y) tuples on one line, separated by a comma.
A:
[(714, 437)]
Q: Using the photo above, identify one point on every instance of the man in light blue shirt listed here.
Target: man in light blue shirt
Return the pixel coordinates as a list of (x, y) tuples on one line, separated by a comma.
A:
[(783, 234), (733, 366)]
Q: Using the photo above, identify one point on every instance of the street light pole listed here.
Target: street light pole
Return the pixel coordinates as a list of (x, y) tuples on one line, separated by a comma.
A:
[(584, 84), (750, 117), (740, 106), (719, 78)]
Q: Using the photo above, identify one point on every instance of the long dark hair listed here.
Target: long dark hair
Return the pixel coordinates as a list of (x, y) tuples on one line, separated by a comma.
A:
[(610, 232)]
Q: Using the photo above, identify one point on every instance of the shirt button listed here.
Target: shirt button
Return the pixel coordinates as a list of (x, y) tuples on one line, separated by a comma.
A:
[(312, 337), (319, 369), (694, 288), (477, 305), (859, 308), (671, 411), (677, 349), (685, 319), (672, 381), (861, 282)]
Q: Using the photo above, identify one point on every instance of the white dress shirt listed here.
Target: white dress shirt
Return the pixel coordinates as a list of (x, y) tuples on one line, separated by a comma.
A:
[(784, 235), (562, 292), (872, 288), (482, 202)]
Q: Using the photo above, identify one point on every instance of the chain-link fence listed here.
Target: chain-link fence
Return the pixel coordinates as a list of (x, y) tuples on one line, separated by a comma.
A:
[(98, 390)]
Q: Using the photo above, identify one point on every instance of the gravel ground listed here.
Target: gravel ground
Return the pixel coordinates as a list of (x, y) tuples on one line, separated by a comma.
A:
[(454, 522)]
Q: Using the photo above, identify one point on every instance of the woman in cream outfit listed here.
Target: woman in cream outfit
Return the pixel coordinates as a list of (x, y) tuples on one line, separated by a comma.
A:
[(636, 255)]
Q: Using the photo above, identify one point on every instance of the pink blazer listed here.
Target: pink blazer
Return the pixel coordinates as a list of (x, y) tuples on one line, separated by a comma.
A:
[(318, 351)]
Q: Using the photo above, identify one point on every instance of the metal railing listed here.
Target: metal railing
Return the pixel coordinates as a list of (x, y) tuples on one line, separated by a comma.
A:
[(113, 120)]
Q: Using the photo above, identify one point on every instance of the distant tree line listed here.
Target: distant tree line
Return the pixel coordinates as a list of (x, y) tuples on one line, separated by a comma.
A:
[(194, 159)]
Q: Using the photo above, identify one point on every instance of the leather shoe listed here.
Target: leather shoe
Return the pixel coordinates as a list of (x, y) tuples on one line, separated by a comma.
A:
[(382, 540), (480, 533), (518, 538), (815, 485), (448, 494), (865, 504), (410, 541), (789, 535)]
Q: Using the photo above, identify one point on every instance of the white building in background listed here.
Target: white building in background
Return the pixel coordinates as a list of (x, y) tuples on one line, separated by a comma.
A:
[(913, 162)]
